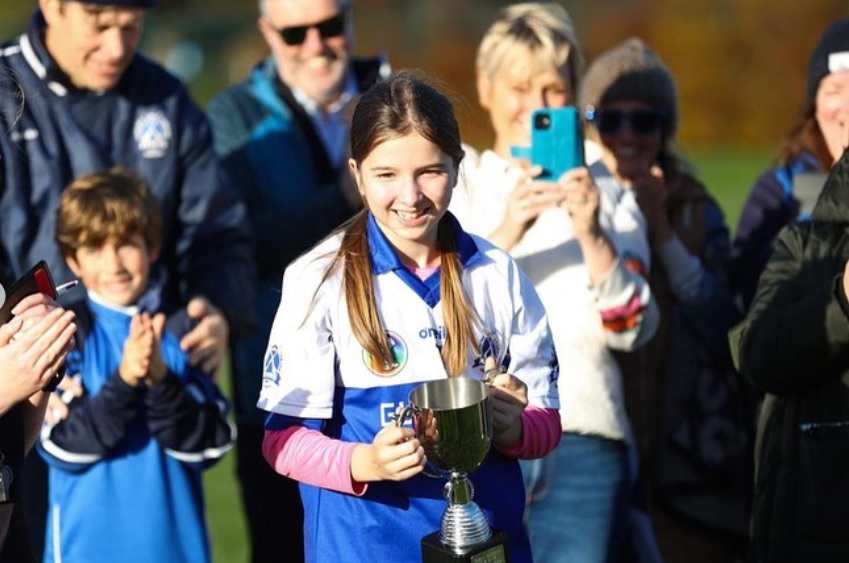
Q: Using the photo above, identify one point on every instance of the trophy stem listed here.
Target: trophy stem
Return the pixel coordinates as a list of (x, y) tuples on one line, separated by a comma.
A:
[(463, 523)]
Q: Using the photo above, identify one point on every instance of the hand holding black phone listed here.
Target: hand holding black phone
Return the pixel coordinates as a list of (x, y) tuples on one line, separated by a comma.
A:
[(37, 280)]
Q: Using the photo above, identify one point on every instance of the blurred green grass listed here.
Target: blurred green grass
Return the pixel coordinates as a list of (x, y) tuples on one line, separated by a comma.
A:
[(224, 512), (728, 174)]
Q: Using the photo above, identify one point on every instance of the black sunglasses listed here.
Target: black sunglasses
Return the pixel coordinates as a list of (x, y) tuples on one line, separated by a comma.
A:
[(610, 121), (331, 27)]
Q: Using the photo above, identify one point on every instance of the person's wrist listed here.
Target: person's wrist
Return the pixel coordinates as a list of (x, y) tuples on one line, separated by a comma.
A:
[(127, 377), (592, 235)]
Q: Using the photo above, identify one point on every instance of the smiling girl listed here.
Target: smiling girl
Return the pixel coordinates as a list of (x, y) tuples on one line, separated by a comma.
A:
[(399, 296)]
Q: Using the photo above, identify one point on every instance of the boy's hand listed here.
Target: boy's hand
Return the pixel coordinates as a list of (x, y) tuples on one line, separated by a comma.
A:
[(57, 405), (158, 369), (138, 350)]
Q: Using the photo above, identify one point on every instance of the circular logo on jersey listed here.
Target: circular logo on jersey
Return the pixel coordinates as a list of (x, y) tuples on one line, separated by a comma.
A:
[(152, 132), (271, 367), (399, 357), (2, 295)]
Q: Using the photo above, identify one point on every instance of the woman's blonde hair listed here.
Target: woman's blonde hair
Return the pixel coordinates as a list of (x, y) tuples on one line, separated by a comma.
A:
[(542, 28)]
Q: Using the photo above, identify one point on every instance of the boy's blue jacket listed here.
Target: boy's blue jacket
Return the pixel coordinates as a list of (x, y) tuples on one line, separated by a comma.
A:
[(125, 466), (53, 132)]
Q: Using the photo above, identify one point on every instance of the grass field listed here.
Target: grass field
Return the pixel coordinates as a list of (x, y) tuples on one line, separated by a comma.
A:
[(727, 174), (224, 508)]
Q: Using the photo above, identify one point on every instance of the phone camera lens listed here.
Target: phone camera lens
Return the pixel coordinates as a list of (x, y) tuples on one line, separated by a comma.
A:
[(542, 121)]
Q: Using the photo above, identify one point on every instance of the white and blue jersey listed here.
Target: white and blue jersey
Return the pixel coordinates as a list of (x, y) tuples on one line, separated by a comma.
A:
[(125, 466), (317, 373)]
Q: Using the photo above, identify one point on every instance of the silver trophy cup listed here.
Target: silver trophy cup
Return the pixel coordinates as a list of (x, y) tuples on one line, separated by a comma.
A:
[(452, 419)]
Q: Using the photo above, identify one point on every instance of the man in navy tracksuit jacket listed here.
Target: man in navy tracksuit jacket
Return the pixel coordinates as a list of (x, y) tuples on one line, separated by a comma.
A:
[(283, 134), (92, 102)]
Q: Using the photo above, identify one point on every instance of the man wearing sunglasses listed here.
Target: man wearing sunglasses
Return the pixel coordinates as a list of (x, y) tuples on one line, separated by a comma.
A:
[(91, 101), (283, 134)]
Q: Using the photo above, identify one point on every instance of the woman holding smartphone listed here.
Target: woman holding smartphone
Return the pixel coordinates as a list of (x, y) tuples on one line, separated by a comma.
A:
[(584, 247)]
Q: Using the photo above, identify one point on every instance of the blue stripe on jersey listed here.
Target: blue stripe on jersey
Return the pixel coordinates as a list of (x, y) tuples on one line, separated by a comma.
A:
[(276, 421)]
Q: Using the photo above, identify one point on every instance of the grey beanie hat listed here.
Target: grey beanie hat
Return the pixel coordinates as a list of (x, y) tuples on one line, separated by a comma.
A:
[(632, 71)]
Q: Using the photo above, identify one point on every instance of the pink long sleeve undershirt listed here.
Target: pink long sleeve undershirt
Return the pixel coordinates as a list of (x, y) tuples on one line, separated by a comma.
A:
[(310, 457)]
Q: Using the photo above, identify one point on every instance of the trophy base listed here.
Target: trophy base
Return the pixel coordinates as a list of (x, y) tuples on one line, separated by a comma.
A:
[(494, 550)]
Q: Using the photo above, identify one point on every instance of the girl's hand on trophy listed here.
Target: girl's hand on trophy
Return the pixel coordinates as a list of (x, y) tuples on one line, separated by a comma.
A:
[(394, 455), (509, 398)]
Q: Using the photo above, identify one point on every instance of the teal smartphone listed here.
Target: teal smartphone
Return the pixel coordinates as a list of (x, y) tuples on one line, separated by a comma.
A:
[(557, 141)]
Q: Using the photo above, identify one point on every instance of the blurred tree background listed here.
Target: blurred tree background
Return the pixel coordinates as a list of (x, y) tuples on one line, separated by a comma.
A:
[(739, 64)]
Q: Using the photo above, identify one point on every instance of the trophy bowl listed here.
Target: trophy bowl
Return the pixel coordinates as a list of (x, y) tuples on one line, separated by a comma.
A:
[(452, 419)]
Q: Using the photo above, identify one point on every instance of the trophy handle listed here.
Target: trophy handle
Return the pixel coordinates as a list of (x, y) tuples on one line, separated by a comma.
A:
[(402, 414), (400, 417)]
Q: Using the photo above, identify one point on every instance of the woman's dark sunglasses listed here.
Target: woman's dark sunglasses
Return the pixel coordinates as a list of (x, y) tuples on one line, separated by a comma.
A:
[(331, 27), (610, 121)]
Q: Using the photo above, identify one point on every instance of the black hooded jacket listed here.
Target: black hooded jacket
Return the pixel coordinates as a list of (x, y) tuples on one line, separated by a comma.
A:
[(794, 346)]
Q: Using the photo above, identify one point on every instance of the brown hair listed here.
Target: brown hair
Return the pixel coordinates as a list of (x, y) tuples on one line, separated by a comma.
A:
[(403, 103), (116, 204), (806, 136)]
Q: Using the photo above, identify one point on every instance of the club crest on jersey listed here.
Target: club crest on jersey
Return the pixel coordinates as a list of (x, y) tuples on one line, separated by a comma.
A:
[(152, 132), (491, 348), (399, 357), (271, 367)]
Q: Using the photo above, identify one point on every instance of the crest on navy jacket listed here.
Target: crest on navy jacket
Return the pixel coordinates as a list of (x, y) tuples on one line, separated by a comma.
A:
[(152, 132)]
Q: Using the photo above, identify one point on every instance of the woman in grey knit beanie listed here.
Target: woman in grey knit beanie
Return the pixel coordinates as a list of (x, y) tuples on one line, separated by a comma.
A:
[(630, 100), (632, 71)]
